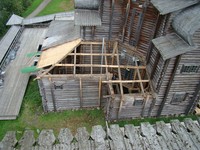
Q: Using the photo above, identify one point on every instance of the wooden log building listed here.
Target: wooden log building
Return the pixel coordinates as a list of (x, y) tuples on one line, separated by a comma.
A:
[(133, 58)]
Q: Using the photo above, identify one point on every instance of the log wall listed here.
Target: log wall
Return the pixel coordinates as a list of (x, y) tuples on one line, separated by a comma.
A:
[(64, 93), (130, 109)]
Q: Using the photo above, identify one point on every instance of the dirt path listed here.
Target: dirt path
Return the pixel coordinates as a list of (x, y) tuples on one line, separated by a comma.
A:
[(39, 8)]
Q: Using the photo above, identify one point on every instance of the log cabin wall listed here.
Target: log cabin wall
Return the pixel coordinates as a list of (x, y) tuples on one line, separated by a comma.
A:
[(65, 93), (139, 25), (176, 79), (135, 106)]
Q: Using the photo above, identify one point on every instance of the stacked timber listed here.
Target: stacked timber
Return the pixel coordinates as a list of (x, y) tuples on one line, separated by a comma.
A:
[(176, 135)]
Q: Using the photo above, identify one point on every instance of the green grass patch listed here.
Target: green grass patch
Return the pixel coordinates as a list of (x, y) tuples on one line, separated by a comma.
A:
[(56, 6), (137, 122), (31, 8), (32, 116)]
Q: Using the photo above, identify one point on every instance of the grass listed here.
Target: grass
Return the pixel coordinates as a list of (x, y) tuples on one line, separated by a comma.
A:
[(56, 6), (32, 117), (31, 8)]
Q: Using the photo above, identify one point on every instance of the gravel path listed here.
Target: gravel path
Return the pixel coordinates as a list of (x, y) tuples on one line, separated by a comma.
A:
[(39, 8)]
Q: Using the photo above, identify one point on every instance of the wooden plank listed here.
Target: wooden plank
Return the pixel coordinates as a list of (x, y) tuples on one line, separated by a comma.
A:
[(126, 19), (90, 42), (9, 141), (27, 140), (81, 93), (179, 129), (46, 138), (125, 81), (111, 19), (194, 130), (65, 136), (167, 135), (133, 136), (120, 84), (93, 54), (139, 76), (131, 25), (100, 86), (169, 85), (82, 136), (91, 60), (99, 66), (53, 95), (150, 133), (194, 100), (117, 137), (98, 134), (74, 72)]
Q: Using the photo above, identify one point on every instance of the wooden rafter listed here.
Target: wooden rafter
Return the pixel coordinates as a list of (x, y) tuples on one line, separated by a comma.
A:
[(91, 60), (121, 87), (74, 62), (103, 66), (139, 76), (125, 81), (126, 19)]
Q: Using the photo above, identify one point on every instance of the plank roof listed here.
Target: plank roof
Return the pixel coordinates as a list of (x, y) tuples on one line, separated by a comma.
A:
[(85, 17), (61, 31), (57, 16), (15, 20), (86, 4), (7, 40), (55, 54), (172, 45), (187, 23), (168, 6), (160, 136)]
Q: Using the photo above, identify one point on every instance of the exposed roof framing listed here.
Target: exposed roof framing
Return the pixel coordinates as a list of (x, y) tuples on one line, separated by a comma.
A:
[(168, 6)]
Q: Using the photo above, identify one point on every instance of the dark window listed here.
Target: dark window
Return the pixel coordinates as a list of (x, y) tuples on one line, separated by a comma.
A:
[(138, 102), (58, 86), (178, 97), (189, 69)]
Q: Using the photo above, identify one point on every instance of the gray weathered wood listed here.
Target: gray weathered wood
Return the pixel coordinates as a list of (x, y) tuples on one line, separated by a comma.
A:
[(65, 136), (179, 129), (150, 133), (117, 138), (82, 136), (133, 136), (9, 141), (46, 138), (166, 134), (27, 140), (98, 135)]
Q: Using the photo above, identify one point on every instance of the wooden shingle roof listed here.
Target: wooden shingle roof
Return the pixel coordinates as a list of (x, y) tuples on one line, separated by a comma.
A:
[(15, 20), (168, 6), (86, 4), (84, 17), (187, 23), (172, 45), (161, 136)]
